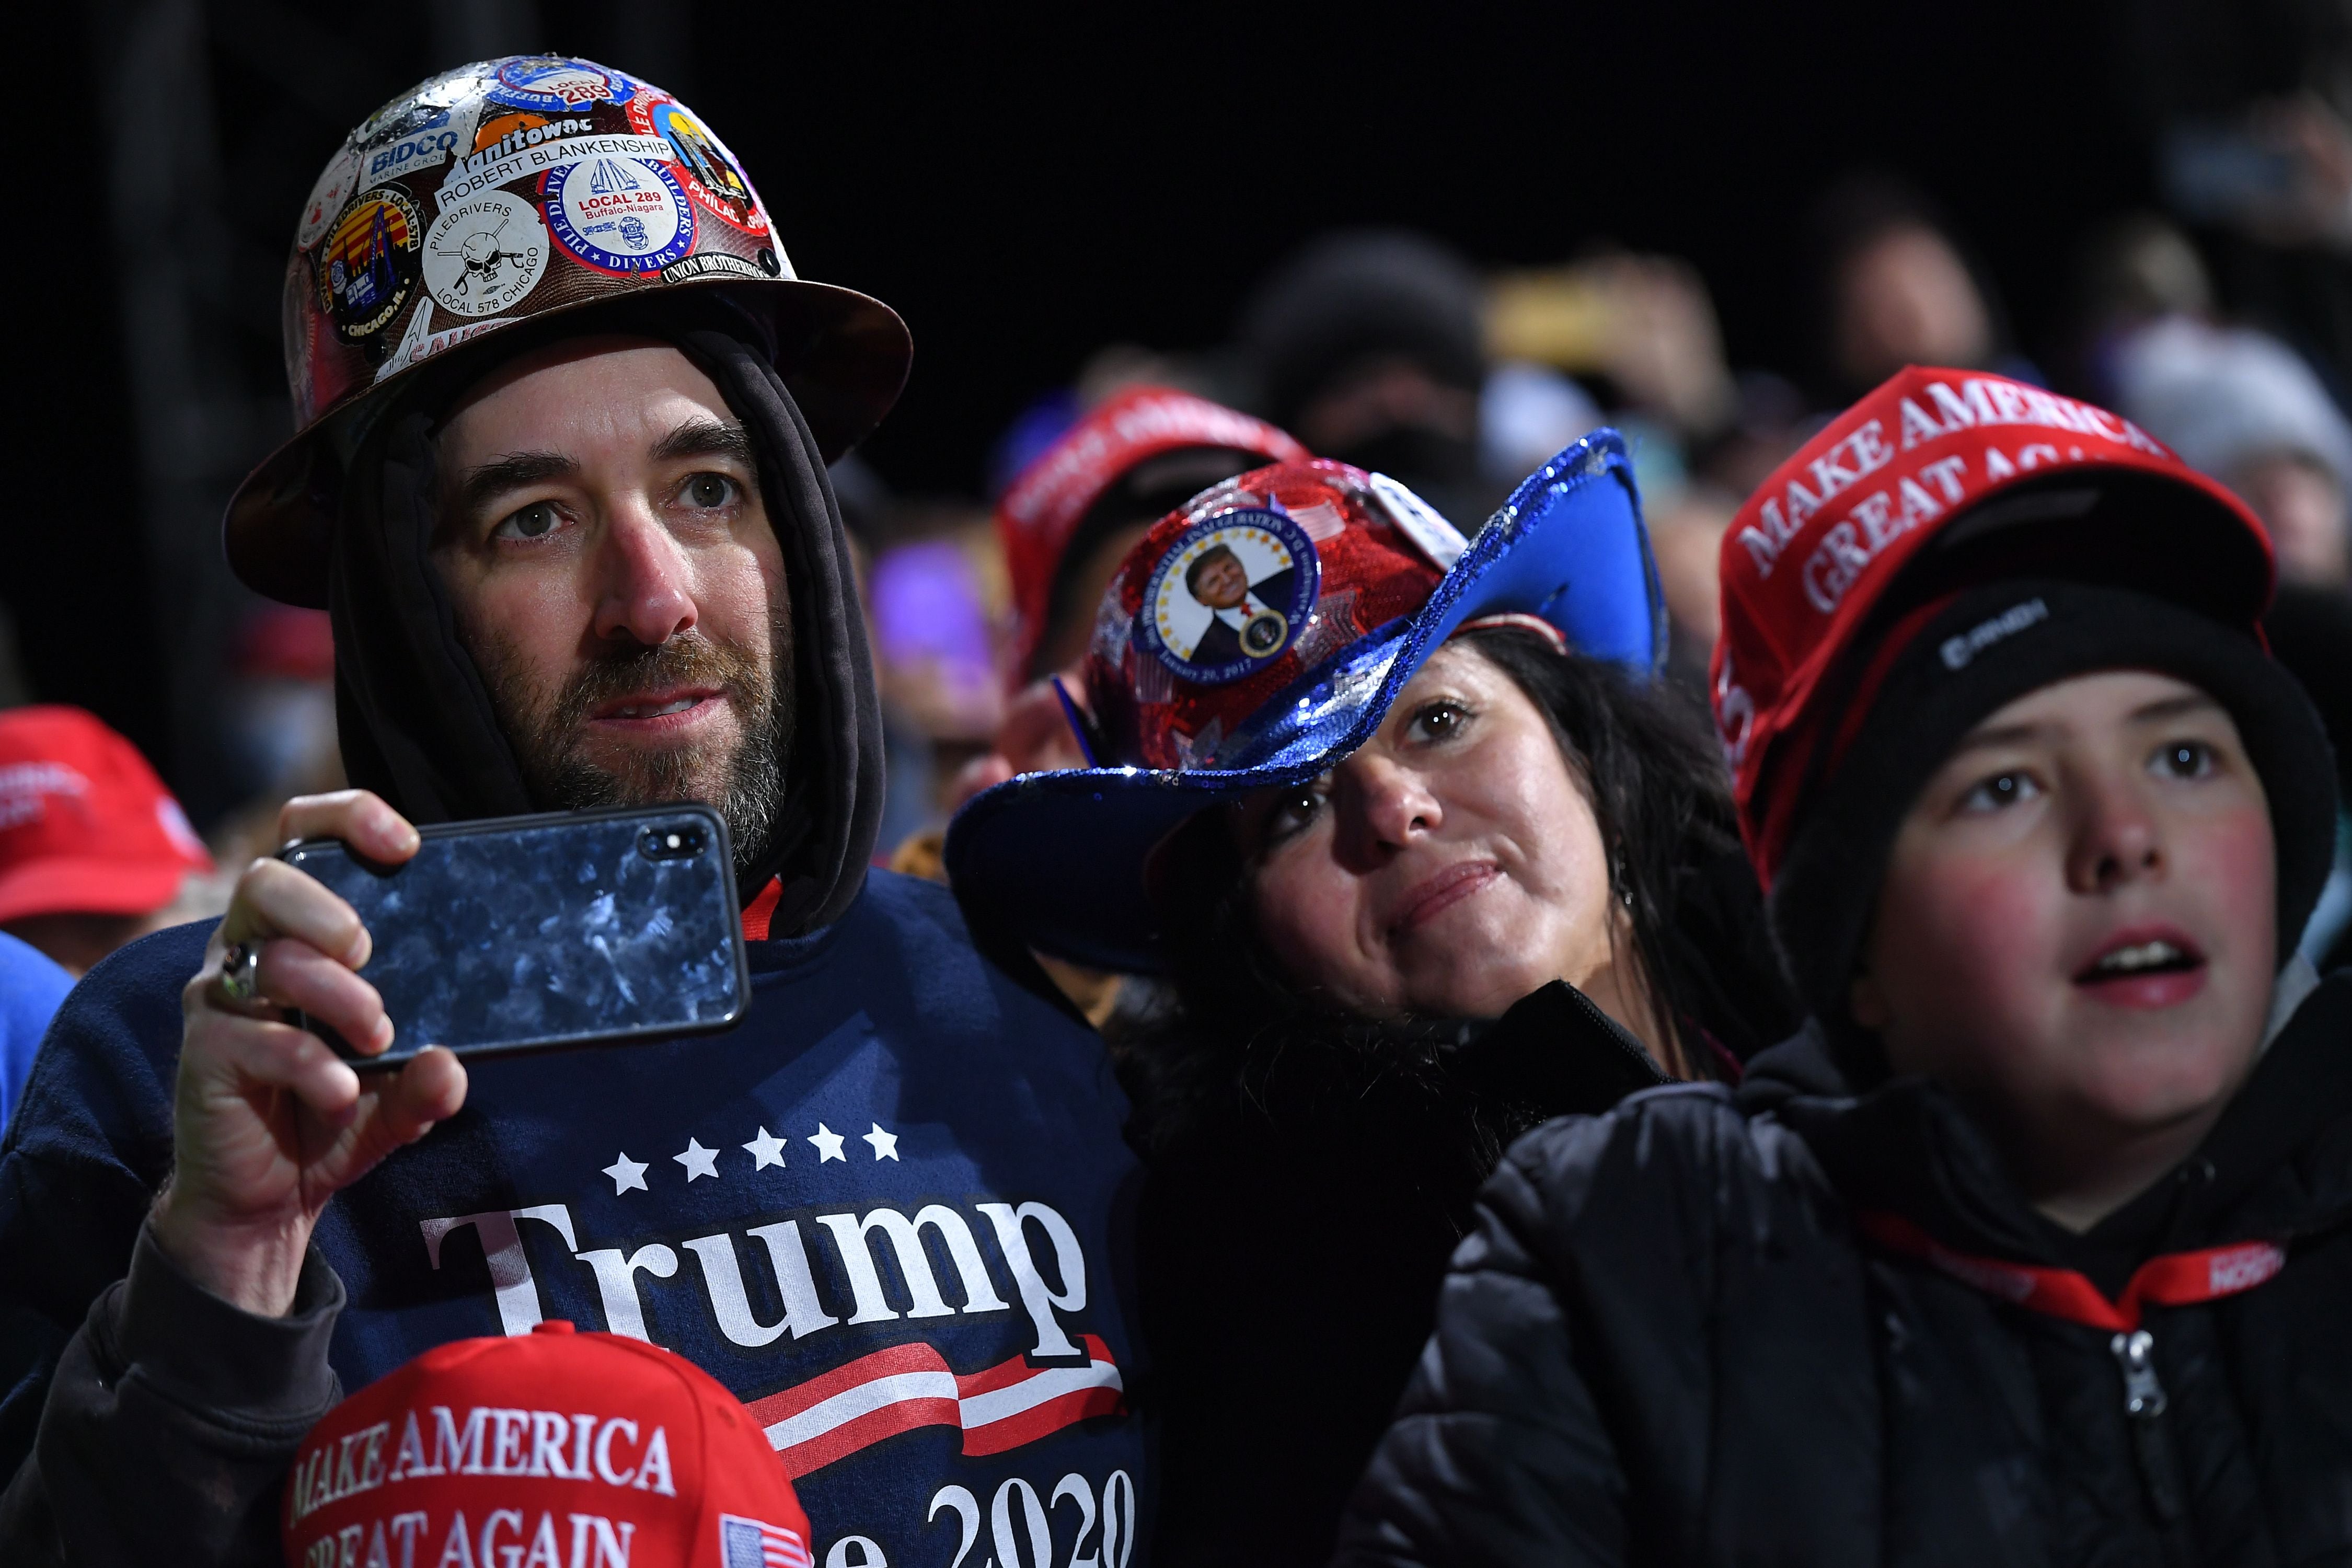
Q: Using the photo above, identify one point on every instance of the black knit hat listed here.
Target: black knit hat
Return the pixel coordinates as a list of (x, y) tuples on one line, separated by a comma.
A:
[(1360, 295), (1984, 649)]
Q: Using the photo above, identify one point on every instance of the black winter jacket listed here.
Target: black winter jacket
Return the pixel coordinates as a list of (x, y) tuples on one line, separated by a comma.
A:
[(1302, 1197), (1666, 1343)]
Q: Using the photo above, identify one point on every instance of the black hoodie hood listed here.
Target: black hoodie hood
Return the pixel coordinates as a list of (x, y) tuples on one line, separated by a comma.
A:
[(414, 717)]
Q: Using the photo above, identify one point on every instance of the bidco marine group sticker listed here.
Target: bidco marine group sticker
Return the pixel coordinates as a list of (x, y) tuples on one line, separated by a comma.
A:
[(707, 169), (553, 84), (424, 143), (618, 215), (1229, 597), (485, 253), (367, 266)]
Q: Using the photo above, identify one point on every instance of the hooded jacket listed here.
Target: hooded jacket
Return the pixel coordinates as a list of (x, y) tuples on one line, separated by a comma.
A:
[(415, 718), (1669, 1342), (888, 1209)]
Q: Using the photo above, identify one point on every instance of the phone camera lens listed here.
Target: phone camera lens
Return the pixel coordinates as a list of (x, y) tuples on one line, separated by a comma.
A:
[(673, 841)]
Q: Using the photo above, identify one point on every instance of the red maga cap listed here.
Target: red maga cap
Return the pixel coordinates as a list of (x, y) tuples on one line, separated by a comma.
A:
[(585, 1451), (86, 827), (1904, 475), (1054, 494)]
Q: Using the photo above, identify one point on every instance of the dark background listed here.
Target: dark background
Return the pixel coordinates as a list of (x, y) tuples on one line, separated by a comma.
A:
[(1023, 190)]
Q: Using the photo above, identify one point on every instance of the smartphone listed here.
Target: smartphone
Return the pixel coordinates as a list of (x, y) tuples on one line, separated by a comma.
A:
[(522, 933)]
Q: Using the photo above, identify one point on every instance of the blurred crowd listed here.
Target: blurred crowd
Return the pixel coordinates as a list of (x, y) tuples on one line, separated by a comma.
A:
[(1389, 349)]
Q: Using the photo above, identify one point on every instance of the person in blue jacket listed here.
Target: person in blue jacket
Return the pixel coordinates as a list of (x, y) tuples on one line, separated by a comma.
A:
[(31, 985), (573, 528)]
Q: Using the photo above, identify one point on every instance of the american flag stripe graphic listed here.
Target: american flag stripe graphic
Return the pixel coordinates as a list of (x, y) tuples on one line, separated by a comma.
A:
[(907, 1386), (756, 1544)]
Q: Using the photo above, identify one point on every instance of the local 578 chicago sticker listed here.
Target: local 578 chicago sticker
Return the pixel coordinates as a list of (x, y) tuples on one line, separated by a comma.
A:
[(618, 215), (484, 253)]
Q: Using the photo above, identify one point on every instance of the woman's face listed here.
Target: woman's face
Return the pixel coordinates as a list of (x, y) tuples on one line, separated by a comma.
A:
[(1449, 868)]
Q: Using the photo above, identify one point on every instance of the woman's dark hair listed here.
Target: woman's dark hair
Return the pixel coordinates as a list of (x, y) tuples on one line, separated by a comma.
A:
[(1657, 787)]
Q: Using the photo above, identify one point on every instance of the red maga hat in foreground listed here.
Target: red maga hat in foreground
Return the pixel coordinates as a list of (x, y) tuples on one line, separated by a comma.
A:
[(583, 1451), (1920, 490)]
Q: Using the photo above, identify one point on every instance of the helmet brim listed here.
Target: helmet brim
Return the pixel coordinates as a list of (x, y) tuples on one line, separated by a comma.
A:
[(844, 355)]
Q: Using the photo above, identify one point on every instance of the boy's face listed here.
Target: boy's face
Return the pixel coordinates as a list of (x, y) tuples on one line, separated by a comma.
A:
[(2076, 930)]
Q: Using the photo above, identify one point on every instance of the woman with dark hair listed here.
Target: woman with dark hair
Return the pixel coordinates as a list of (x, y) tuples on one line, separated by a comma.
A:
[(1437, 867)]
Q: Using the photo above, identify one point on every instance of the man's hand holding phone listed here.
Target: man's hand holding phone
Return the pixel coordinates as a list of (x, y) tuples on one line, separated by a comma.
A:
[(267, 1122)]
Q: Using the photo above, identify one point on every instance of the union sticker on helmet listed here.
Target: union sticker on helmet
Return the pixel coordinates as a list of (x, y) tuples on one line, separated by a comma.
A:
[(718, 264), (367, 267), (551, 82), (483, 255), (619, 215), (709, 171), (334, 188)]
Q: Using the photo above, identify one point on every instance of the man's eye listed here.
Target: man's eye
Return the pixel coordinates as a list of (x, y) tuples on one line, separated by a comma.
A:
[(709, 490), (533, 521), (2000, 791), (2184, 759)]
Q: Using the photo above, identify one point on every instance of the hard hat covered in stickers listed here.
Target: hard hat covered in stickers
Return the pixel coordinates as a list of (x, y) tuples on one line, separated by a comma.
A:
[(501, 193), (1258, 634)]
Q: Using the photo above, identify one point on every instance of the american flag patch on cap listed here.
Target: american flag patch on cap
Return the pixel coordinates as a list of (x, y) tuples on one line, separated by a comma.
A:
[(753, 1544)]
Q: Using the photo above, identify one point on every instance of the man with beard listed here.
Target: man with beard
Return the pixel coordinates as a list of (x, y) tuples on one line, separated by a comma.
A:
[(583, 553)]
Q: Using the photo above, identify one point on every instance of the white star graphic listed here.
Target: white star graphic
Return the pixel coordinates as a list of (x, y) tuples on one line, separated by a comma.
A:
[(766, 1150), (697, 1160), (626, 1173), (828, 1144), (885, 1144)]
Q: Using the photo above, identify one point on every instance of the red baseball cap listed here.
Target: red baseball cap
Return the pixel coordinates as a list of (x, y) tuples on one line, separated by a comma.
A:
[(591, 1450), (86, 827), (1045, 506), (1919, 491)]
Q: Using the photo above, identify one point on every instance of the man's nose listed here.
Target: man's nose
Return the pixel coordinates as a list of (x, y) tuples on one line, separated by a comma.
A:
[(1384, 806), (2116, 836), (645, 581)]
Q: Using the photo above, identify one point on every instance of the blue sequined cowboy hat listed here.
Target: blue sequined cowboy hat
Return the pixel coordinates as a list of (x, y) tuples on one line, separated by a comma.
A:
[(1257, 635)]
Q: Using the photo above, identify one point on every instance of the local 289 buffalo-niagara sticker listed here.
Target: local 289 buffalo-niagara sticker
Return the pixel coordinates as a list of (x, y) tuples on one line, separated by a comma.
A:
[(1230, 595), (367, 266), (484, 253), (710, 170), (554, 84), (618, 215)]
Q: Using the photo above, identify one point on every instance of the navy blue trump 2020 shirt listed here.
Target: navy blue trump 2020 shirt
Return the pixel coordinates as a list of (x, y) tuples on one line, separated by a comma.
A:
[(890, 1211)]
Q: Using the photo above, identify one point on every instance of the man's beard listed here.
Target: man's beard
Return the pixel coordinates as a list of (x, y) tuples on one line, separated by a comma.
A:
[(745, 784)]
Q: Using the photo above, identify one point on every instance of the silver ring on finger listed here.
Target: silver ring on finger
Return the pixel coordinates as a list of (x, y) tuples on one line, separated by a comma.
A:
[(240, 979)]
